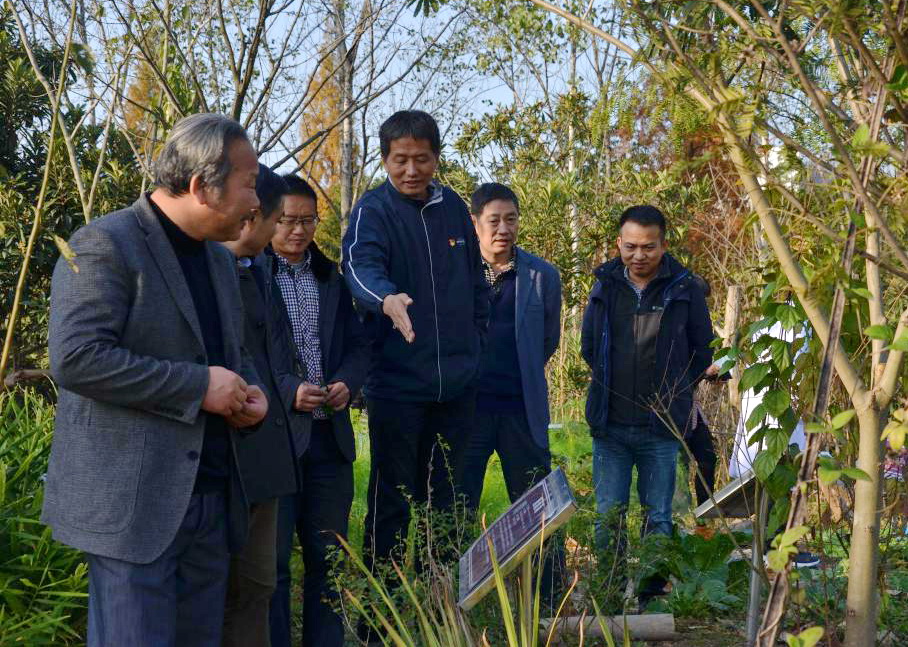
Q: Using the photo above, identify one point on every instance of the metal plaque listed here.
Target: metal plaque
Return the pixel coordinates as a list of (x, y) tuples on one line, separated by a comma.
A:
[(515, 534)]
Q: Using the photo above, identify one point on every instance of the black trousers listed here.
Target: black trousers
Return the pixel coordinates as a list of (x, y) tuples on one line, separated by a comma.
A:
[(316, 515), (523, 463), (700, 443), (417, 451)]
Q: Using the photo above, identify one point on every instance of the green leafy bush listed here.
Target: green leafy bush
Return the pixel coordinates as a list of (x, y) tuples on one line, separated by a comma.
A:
[(704, 582), (42, 582)]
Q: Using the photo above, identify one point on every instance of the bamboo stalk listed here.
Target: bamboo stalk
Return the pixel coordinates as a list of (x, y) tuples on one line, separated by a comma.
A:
[(39, 207)]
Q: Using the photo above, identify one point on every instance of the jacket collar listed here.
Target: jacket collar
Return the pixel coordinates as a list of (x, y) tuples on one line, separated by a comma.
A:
[(164, 256), (320, 264), (613, 270), (435, 193)]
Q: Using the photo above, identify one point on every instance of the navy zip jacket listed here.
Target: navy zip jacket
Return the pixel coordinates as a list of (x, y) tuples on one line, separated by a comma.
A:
[(682, 351), (427, 249)]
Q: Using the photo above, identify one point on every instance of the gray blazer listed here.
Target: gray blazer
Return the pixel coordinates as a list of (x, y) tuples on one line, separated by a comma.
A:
[(126, 350), (538, 323)]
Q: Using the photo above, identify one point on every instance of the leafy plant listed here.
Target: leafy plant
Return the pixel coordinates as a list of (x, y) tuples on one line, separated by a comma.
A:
[(42, 582), (704, 582), (434, 619)]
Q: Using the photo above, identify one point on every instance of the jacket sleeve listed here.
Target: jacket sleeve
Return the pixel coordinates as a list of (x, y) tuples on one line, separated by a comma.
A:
[(366, 258), (552, 325), (356, 350), (247, 368), (480, 287), (88, 314), (284, 361), (588, 333), (699, 334)]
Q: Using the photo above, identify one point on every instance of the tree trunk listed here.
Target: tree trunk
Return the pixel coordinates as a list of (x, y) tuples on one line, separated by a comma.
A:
[(345, 55), (862, 602), (730, 334), (346, 144)]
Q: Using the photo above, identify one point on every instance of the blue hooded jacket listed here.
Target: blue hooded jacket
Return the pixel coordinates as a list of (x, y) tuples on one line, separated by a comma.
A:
[(427, 249)]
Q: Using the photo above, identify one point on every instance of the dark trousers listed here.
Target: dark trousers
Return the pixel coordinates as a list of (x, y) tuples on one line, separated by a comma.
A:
[(175, 601), (409, 459), (523, 463), (700, 444), (252, 581), (317, 514)]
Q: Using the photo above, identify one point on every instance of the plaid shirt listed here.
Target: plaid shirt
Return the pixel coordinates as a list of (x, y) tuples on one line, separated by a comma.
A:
[(494, 279), (300, 292)]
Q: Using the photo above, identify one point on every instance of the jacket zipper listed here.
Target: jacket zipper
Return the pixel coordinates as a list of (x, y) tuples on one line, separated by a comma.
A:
[(425, 229)]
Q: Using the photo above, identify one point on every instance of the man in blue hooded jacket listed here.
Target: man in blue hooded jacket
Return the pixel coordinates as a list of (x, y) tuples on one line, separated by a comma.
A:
[(413, 264), (646, 336)]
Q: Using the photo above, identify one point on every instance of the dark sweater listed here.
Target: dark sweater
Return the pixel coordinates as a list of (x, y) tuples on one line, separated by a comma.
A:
[(214, 463), (500, 389)]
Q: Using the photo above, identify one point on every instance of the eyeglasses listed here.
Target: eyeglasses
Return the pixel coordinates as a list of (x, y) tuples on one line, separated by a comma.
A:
[(291, 223)]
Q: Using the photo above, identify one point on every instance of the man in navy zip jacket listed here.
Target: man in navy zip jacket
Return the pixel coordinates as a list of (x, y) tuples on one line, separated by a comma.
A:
[(646, 336), (412, 262)]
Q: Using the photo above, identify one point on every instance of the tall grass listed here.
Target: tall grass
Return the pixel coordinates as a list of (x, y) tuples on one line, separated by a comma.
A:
[(43, 584)]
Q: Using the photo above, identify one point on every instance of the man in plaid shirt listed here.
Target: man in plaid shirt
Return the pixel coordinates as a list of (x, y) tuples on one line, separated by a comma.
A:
[(332, 353)]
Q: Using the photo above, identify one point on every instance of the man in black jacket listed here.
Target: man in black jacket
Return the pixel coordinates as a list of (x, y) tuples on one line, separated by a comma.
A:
[(264, 457), (646, 336), (412, 262), (332, 351)]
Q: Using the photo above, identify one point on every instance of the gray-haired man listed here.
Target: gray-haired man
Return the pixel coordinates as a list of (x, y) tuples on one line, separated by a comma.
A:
[(145, 344)]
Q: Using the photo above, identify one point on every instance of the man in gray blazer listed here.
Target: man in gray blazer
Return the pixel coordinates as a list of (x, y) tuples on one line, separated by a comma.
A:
[(145, 345), (512, 404)]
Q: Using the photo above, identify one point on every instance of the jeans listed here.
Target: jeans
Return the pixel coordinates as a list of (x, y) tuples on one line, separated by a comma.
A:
[(614, 456), (175, 601)]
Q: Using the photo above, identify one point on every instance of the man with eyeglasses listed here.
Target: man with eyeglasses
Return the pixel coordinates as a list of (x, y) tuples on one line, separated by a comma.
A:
[(332, 354)]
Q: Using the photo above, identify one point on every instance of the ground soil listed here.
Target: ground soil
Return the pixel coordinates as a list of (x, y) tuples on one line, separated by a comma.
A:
[(712, 633)]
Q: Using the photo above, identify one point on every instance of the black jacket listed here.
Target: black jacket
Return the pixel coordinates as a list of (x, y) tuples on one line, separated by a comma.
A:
[(427, 249), (682, 351), (344, 346), (264, 457)]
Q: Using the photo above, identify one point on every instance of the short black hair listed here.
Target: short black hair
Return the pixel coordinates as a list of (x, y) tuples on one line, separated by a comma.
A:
[(409, 123), (489, 191), (270, 189), (298, 186), (644, 215)]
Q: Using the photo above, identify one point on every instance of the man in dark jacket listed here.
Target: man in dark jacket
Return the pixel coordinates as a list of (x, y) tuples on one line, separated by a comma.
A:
[(265, 460), (512, 403), (332, 352), (412, 262), (646, 336)]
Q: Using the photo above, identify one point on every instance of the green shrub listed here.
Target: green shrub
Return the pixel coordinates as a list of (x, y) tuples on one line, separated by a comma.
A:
[(43, 584)]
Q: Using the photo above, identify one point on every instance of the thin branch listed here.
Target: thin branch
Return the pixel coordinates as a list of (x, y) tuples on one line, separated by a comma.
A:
[(42, 191)]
